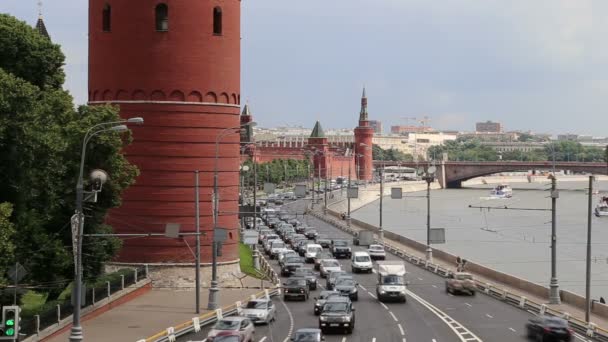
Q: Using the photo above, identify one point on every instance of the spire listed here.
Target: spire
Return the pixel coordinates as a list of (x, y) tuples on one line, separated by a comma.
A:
[(40, 26), (246, 111), (363, 115), (317, 132)]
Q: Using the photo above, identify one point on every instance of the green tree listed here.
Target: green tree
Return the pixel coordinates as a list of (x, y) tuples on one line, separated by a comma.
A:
[(40, 144), (7, 235), (378, 153)]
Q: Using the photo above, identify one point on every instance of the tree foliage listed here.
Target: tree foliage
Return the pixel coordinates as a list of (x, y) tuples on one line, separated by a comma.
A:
[(40, 144), (378, 153), (278, 171)]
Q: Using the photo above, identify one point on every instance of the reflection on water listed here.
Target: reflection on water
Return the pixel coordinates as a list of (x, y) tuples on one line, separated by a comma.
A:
[(512, 241)]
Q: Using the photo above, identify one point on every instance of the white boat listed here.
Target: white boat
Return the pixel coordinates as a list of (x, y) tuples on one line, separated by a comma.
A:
[(602, 208), (502, 191)]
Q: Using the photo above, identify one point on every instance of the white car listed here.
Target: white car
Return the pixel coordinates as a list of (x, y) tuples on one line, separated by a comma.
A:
[(329, 265), (260, 311), (376, 252), (233, 325), (311, 251), (277, 247), (361, 262)]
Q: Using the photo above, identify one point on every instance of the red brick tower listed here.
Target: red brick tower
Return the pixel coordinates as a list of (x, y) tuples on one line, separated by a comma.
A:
[(317, 142), (364, 134), (176, 64)]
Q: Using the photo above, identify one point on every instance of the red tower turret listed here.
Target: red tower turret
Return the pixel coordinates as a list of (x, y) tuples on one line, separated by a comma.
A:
[(364, 134), (176, 64)]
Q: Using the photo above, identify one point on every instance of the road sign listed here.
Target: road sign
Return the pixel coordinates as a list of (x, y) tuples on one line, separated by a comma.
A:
[(396, 193), (269, 188), (220, 234), (250, 237), (172, 230), (17, 272), (437, 235), (353, 192)]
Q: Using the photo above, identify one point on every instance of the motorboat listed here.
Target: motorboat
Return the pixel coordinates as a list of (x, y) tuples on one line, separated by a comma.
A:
[(501, 191), (602, 208)]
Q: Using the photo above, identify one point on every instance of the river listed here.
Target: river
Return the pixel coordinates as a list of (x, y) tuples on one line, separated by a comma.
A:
[(512, 241)]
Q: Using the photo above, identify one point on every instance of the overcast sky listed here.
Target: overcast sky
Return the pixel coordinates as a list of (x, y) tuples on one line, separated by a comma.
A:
[(539, 65)]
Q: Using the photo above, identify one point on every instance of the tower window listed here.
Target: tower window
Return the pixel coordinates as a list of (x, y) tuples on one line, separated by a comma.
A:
[(162, 17), (106, 18), (217, 21)]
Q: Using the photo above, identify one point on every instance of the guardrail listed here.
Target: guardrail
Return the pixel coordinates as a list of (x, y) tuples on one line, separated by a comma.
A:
[(580, 326)]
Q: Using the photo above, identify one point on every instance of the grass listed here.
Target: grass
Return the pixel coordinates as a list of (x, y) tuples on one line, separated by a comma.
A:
[(246, 261), (33, 301)]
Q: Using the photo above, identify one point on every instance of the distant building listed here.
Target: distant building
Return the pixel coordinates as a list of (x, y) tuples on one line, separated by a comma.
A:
[(488, 127), (567, 137), (376, 125), (488, 136), (404, 130)]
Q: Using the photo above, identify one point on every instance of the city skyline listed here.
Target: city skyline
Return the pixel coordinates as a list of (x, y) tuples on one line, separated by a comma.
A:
[(532, 66)]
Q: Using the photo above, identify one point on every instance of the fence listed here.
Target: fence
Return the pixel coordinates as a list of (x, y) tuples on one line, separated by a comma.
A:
[(581, 327), (92, 294)]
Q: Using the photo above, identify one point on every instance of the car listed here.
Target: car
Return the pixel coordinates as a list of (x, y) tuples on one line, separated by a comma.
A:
[(276, 247), (226, 336), (260, 311), (290, 264), (323, 297), (331, 279), (311, 252), (339, 248), (329, 265), (301, 247), (361, 262), (284, 254), (268, 241), (308, 335), (295, 287), (234, 324), (309, 274), (311, 233), (323, 240), (347, 286), (338, 313), (548, 328), (376, 252), (460, 282), (323, 255)]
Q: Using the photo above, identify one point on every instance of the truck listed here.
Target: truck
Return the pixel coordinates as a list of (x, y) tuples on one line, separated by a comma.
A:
[(363, 238), (391, 281)]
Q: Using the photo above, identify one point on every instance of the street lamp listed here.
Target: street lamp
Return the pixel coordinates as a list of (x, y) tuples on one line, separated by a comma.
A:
[(429, 177), (76, 334), (214, 290)]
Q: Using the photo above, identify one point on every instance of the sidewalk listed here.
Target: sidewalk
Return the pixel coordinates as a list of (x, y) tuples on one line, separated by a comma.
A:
[(572, 310), (155, 311)]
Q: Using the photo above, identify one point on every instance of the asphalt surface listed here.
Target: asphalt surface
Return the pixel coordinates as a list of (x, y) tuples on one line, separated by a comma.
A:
[(430, 314)]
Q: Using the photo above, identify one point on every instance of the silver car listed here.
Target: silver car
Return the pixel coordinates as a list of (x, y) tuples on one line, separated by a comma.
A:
[(233, 325), (329, 265), (260, 311)]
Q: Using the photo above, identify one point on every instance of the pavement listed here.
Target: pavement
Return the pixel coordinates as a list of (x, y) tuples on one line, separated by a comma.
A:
[(153, 312)]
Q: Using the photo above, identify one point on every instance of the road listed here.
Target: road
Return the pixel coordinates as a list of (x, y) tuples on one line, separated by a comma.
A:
[(430, 314)]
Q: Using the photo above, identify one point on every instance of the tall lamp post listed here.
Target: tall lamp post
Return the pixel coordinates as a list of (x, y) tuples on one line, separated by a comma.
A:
[(76, 334), (214, 290), (429, 177)]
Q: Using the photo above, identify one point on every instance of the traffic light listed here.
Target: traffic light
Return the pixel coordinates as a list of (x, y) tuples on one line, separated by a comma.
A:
[(9, 330)]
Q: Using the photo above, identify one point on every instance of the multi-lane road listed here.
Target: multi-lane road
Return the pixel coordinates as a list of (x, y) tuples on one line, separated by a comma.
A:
[(430, 313)]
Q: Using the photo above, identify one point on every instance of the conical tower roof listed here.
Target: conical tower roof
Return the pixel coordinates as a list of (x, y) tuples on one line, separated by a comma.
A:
[(246, 111), (317, 132)]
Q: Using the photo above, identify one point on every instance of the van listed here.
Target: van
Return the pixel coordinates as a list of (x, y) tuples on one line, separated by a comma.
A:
[(361, 262)]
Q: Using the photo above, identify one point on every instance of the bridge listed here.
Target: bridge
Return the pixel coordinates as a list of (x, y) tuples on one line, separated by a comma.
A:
[(451, 174)]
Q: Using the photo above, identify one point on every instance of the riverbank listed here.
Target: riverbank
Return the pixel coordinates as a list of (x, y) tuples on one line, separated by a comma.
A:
[(509, 178)]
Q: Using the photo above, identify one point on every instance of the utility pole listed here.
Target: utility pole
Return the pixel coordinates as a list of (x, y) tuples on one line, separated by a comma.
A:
[(348, 196), (198, 242), (256, 257), (325, 194), (554, 286), (588, 277), (213, 291), (319, 185), (312, 186), (381, 230)]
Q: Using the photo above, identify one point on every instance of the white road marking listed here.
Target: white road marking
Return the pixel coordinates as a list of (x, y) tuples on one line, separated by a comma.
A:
[(401, 329), (434, 340), (262, 339), (435, 286), (384, 306), (374, 339), (469, 305), (513, 330), (363, 288), (393, 315), (489, 316), (374, 271), (371, 294), (343, 339), (451, 295), (419, 278), (404, 340), (288, 337)]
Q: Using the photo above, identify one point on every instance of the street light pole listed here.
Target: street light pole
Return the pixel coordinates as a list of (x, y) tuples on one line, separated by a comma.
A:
[(381, 230), (554, 286), (198, 243), (256, 257), (588, 266), (76, 334)]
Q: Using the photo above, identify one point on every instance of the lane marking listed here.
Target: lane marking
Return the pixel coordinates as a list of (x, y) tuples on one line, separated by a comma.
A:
[(372, 295), (374, 339), (363, 288), (384, 306), (419, 278), (288, 337), (513, 330), (393, 315), (262, 339), (343, 339), (469, 305), (434, 340), (404, 340), (489, 316), (435, 286), (460, 330), (401, 329)]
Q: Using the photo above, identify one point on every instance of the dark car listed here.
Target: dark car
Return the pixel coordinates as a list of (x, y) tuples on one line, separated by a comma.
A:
[(323, 297), (295, 288), (323, 240), (321, 256), (347, 286), (311, 233), (545, 328), (340, 249), (332, 277), (308, 335), (290, 264), (337, 314), (309, 274)]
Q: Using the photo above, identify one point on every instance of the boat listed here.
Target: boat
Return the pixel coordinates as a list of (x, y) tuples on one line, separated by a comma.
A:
[(602, 208), (502, 191)]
